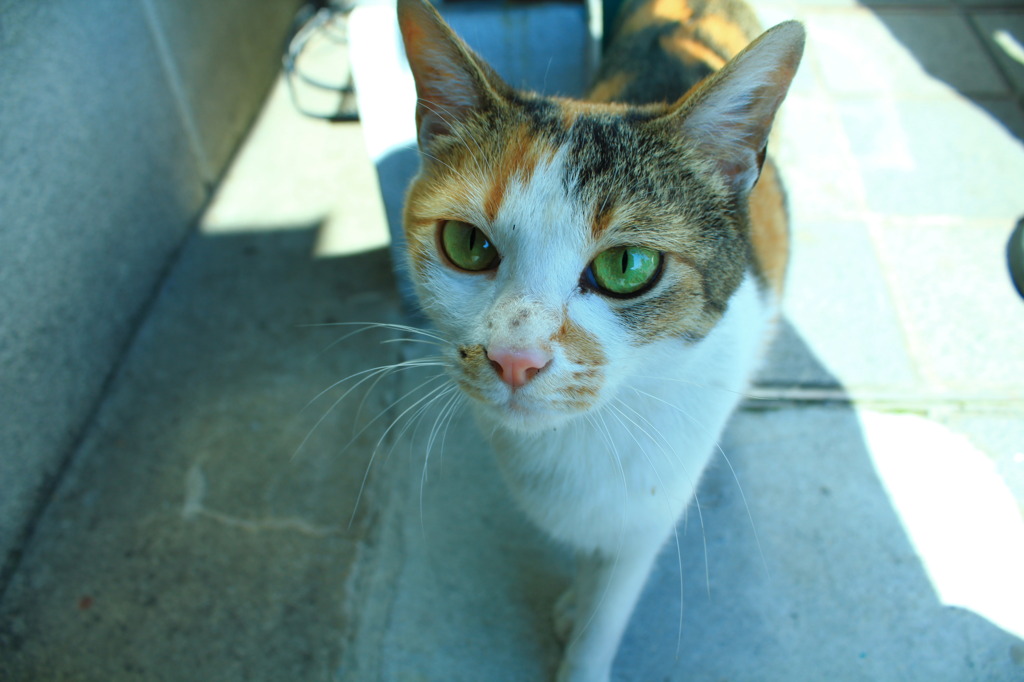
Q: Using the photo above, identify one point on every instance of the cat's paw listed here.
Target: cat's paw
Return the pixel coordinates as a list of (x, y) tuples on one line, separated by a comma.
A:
[(564, 615)]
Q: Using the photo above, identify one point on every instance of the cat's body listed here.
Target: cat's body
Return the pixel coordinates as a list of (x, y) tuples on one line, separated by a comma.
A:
[(606, 273)]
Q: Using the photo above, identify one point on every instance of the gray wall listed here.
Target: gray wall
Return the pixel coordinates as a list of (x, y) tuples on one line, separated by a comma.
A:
[(116, 119)]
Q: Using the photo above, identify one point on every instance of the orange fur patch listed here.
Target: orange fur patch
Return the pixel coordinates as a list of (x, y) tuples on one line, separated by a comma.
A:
[(602, 218), (580, 346), (610, 87), (572, 404), (474, 361), (580, 395), (691, 51), (470, 389), (519, 160), (724, 33), (419, 241), (657, 11), (769, 231)]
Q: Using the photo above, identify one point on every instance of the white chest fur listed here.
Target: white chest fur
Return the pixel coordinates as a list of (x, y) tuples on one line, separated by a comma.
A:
[(625, 472)]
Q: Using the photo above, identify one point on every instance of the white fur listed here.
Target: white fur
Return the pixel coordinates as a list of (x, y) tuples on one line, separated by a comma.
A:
[(613, 485), (613, 480), (590, 484)]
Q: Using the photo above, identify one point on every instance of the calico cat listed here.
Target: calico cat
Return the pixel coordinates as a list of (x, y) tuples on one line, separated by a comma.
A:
[(606, 272)]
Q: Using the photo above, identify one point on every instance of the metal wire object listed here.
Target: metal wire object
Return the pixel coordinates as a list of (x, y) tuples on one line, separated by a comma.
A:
[(327, 19)]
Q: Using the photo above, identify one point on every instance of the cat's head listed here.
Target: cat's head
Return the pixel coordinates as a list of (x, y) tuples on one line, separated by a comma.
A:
[(561, 245)]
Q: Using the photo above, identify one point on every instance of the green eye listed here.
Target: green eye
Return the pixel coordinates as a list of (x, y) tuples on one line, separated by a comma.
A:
[(625, 270), (467, 247)]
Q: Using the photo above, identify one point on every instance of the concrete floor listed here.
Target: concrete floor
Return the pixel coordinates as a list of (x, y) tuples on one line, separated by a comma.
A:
[(218, 521)]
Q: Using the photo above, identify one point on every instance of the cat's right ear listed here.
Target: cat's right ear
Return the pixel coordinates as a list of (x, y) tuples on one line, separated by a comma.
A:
[(451, 81), (728, 115)]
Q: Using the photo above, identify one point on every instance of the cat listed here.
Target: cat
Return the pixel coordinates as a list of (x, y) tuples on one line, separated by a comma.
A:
[(606, 273)]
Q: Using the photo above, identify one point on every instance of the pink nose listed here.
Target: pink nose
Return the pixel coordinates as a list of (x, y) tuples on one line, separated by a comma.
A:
[(516, 367)]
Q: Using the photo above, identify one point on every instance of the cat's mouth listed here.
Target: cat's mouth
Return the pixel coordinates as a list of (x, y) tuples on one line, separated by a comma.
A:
[(520, 411), (518, 405), (518, 416)]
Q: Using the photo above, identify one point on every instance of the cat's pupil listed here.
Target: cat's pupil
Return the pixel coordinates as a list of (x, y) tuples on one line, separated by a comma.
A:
[(472, 238), (625, 260)]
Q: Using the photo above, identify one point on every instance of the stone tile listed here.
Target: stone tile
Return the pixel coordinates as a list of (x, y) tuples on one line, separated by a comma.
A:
[(1004, 34), (807, 5), (790, 363), (916, 4), (797, 567), (933, 38), (204, 520), (99, 188), (1000, 434), (934, 157), (319, 157), (973, 548), (1006, 110), (192, 538), (888, 52), (963, 318), (224, 55), (840, 327), (987, 4), (817, 164), (838, 303), (452, 547)]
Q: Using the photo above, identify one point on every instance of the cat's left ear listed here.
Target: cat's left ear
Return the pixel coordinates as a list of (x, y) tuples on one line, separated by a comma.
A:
[(729, 115), (452, 82)]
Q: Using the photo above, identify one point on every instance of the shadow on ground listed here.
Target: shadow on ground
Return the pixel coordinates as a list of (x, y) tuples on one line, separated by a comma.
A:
[(189, 541), (970, 47), (798, 567), (795, 566), (186, 542)]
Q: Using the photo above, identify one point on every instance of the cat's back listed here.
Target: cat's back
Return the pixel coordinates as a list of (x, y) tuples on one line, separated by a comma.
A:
[(659, 49)]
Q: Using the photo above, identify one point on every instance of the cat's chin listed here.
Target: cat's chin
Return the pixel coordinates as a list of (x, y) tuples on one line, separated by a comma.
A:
[(518, 416)]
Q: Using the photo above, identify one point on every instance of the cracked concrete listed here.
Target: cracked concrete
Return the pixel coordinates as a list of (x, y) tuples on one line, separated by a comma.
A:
[(189, 539), (195, 492)]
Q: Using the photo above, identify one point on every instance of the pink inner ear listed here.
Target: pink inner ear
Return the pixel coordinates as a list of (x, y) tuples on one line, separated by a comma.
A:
[(448, 84), (732, 112)]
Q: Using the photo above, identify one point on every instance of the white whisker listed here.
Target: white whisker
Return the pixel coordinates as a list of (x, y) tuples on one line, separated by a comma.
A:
[(436, 109), (396, 420), (430, 440), (378, 372), (367, 326), (444, 436), (448, 166), (441, 426), (438, 344), (384, 370), (622, 522), (422, 362), (735, 476), (675, 532)]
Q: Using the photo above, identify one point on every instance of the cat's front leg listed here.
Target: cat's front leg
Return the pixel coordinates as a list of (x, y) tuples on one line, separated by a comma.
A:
[(603, 595)]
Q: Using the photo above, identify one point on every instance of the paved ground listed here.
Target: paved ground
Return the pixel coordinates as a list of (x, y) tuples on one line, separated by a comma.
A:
[(198, 534)]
